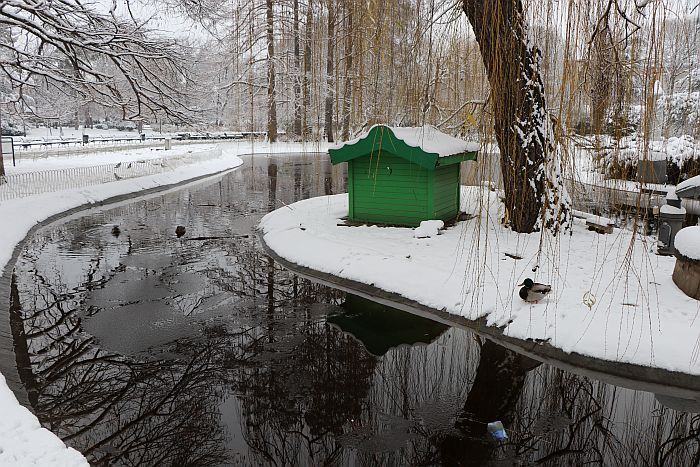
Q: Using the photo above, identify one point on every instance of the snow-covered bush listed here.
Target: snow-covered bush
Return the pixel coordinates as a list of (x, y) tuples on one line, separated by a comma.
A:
[(681, 111), (10, 129), (681, 153)]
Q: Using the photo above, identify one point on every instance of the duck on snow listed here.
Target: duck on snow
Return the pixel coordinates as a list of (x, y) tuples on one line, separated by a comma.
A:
[(533, 292)]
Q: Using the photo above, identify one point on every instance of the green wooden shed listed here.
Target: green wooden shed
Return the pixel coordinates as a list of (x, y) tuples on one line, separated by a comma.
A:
[(403, 175)]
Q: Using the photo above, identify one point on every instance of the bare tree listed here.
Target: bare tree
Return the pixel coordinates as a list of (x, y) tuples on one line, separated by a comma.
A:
[(96, 57), (347, 91), (306, 105), (330, 82), (297, 65), (271, 95)]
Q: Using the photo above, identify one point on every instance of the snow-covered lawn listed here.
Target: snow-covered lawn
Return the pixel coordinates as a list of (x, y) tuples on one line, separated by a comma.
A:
[(37, 164), (613, 298), (22, 440), (70, 133)]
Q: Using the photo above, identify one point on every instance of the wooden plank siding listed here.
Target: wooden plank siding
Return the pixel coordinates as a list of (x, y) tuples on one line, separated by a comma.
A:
[(445, 192), (388, 189), (385, 188)]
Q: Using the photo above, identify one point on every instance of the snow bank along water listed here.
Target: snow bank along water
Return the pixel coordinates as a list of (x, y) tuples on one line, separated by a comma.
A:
[(22, 440), (612, 299)]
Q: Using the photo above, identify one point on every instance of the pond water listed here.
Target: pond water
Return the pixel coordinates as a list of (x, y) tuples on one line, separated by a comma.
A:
[(137, 347)]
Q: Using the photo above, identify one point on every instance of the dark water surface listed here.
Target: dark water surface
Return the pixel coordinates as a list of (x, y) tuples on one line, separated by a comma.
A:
[(140, 348)]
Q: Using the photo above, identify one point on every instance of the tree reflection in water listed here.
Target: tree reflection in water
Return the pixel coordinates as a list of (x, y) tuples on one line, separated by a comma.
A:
[(205, 352)]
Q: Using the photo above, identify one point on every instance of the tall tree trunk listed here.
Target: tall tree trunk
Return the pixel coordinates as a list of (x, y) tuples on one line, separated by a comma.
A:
[(271, 98), (87, 118), (307, 70), (330, 82), (347, 89), (76, 124), (297, 70), (534, 192), (601, 79), (2, 156)]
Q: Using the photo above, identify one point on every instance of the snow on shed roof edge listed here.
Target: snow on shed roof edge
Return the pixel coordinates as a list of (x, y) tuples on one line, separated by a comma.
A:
[(428, 138)]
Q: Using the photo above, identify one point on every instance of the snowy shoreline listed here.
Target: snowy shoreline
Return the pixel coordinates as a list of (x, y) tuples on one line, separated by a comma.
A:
[(467, 276), (23, 441)]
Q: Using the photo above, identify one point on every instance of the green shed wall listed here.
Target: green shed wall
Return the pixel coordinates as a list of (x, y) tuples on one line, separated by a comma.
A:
[(445, 192), (396, 196), (389, 189)]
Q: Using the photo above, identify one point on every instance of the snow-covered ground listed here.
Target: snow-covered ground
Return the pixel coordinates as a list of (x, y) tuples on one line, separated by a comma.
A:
[(70, 133), (53, 162), (22, 440), (613, 298)]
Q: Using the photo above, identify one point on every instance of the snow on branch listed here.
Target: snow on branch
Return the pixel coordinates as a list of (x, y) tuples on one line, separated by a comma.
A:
[(96, 57)]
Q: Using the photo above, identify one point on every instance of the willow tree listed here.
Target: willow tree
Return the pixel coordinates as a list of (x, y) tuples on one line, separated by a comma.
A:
[(535, 195)]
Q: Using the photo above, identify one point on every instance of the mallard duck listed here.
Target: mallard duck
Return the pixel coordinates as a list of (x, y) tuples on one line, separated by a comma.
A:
[(533, 292)]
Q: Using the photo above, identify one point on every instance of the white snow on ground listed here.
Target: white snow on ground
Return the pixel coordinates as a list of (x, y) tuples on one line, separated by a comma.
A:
[(65, 133), (426, 137), (70, 137), (22, 441), (46, 133), (428, 229), (687, 242), (636, 313), (36, 164)]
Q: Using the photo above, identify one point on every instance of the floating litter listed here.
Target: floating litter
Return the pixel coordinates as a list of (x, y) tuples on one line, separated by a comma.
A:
[(497, 431)]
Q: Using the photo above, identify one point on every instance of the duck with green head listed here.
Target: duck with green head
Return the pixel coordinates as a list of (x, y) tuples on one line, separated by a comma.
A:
[(533, 292)]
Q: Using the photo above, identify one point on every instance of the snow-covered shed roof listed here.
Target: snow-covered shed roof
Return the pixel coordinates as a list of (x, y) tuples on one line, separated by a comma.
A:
[(689, 188), (424, 145)]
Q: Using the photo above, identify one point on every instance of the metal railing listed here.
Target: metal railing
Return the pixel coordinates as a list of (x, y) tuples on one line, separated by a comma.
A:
[(45, 181), (131, 140)]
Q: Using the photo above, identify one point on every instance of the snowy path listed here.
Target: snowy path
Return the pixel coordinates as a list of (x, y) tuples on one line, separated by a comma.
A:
[(22, 440), (613, 297)]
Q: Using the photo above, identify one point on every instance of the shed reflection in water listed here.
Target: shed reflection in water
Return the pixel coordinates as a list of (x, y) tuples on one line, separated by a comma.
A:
[(143, 348)]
